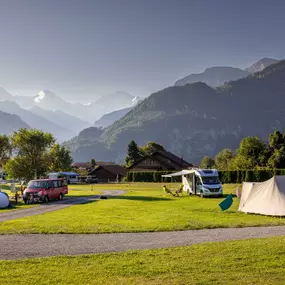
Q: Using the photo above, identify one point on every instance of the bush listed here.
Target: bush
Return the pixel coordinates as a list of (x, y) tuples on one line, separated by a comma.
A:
[(239, 176)]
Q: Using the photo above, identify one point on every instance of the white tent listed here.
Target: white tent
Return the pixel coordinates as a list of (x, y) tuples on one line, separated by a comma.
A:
[(266, 198), (4, 200)]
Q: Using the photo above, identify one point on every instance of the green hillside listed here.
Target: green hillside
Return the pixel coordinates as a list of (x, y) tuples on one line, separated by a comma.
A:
[(195, 120)]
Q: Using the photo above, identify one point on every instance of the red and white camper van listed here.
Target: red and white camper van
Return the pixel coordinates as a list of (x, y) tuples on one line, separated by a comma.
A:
[(44, 190)]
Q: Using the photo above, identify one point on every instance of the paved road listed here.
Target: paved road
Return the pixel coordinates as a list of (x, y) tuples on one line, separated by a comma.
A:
[(38, 245), (53, 206)]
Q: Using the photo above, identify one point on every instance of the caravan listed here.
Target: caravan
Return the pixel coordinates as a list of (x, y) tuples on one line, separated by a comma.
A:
[(203, 182)]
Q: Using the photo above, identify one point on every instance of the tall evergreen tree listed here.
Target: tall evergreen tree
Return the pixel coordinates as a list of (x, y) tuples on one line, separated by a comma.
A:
[(134, 153)]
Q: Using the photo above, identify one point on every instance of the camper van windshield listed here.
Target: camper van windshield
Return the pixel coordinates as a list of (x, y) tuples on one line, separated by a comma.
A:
[(37, 184), (211, 180)]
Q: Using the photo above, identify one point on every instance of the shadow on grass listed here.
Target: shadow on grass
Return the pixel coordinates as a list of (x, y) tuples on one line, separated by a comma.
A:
[(138, 198)]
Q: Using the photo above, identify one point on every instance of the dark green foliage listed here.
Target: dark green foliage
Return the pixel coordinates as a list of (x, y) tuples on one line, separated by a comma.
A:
[(207, 163), (224, 158), (92, 162), (5, 148), (60, 158), (239, 176), (151, 147), (134, 153)]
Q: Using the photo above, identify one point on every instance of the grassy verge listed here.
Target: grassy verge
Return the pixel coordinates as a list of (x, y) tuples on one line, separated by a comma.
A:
[(144, 208), (257, 261)]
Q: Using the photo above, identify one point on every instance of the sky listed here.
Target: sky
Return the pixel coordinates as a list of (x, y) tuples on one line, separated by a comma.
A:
[(85, 49)]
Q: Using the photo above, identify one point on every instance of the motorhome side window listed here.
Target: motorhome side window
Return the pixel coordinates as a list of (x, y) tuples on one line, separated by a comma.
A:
[(55, 184)]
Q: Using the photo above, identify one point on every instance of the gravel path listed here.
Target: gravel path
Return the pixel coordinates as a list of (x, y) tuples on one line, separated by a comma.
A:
[(38, 245), (53, 206)]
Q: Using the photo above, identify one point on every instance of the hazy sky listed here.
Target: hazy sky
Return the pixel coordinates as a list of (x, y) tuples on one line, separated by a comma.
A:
[(87, 48)]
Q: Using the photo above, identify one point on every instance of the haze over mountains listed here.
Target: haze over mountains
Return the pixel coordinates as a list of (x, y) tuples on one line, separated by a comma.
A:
[(10, 123), (49, 112), (216, 76), (195, 120), (191, 120)]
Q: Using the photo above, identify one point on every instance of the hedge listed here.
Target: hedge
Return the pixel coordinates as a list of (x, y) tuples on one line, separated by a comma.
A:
[(147, 176), (230, 176)]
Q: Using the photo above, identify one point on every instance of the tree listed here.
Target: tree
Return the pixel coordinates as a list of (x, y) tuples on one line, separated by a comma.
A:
[(60, 158), (151, 147), (5, 148), (252, 152), (277, 159), (93, 163), (134, 153), (276, 140), (224, 159), (32, 154), (207, 163)]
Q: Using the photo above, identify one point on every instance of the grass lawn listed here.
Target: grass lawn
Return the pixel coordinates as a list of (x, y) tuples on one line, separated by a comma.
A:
[(256, 261), (144, 207)]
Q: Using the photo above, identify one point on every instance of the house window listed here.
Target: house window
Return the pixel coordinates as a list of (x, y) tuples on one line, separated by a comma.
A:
[(149, 162)]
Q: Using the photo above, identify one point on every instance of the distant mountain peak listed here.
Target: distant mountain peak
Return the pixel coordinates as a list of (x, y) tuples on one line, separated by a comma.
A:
[(45, 94), (214, 76), (261, 64)]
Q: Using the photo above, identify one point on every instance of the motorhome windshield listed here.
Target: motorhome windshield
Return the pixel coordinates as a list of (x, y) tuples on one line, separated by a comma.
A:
[(37, 184), (210, 180)]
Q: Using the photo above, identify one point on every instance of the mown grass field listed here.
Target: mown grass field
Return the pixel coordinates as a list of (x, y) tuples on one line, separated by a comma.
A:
[(144, 207), (255, 261)]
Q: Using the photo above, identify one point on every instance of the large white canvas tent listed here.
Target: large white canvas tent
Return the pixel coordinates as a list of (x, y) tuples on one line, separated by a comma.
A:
[(266, 198)]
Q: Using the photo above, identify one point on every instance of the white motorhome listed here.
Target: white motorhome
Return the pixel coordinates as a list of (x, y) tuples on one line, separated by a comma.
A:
[(71, 177), (203, 182)]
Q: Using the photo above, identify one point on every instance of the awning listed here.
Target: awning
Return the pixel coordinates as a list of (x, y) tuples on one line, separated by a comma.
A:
[(180, 173)]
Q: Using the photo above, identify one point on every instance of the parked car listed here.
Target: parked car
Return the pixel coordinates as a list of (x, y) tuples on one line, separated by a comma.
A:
[(44, 190), (91, 179)]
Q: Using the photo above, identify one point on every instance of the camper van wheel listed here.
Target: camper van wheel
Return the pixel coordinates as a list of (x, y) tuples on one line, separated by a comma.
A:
[(201, 194), (60, 196), (46, 199)]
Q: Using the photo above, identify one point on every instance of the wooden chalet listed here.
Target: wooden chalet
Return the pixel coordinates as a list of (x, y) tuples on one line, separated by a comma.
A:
[(160, 161), (108, 172)]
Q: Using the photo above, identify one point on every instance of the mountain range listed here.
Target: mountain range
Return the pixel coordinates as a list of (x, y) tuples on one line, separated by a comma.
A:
[(110, 118), (90, 112), (63, 119), (195, 120), (11, 123), (217, 76), (74, 124), (35, 121)]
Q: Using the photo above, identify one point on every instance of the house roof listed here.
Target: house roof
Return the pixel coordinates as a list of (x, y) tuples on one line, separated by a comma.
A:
[(170, 160), (173, 157), (99, 163), (81, 164), (112, 168)]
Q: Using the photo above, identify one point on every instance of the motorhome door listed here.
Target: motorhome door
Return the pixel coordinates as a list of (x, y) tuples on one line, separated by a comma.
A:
[(198, 185)]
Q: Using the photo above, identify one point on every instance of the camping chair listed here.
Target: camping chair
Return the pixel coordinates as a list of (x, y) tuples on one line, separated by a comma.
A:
[(180, 190), (166, 190)]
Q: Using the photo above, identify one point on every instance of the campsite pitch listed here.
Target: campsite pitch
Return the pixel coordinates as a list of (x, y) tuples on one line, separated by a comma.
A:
[(256, 261), (144, 208)]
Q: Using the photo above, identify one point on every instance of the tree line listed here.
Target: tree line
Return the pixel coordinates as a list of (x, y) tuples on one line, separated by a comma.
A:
[(252, 153), (32, 153)]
